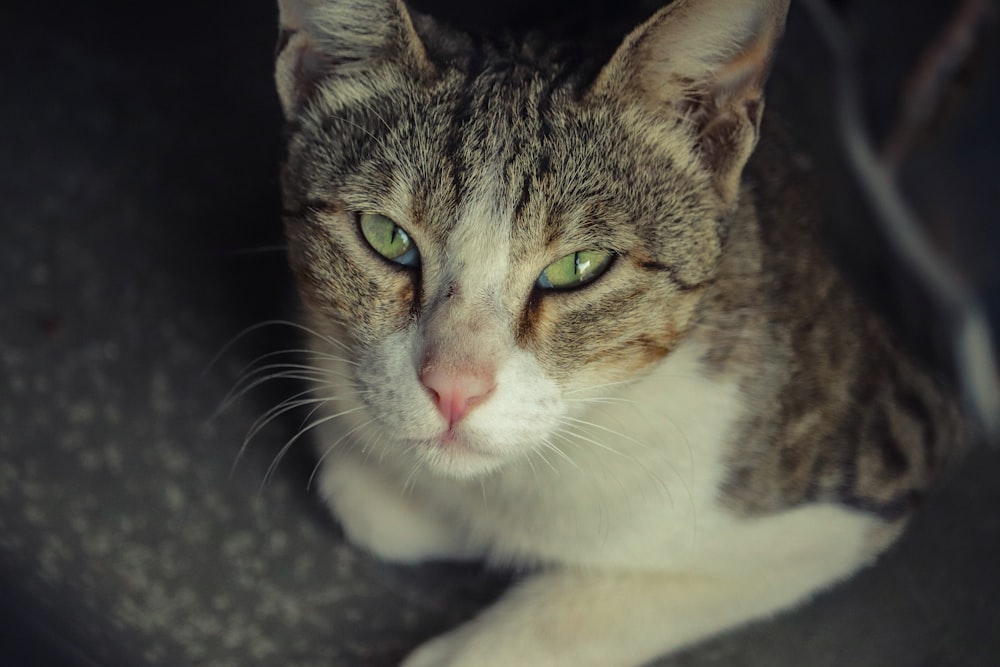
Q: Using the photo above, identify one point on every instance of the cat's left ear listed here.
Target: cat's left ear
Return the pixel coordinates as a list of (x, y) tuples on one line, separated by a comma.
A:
[(321, 39), (705, 61)]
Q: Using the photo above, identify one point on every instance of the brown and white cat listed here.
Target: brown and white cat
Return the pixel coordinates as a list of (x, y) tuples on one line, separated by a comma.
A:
[(560, 331)]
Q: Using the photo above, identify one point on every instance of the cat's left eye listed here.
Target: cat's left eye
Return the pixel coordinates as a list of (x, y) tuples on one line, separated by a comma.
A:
[(389, 239), (575, 269)]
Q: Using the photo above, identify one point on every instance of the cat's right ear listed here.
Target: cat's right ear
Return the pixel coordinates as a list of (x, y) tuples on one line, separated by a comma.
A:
[(324, 38)]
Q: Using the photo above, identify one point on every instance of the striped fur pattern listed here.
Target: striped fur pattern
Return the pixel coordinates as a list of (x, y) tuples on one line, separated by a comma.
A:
[(717, 391)]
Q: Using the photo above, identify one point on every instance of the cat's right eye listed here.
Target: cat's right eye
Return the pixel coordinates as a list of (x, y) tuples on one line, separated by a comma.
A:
[(389, 239)]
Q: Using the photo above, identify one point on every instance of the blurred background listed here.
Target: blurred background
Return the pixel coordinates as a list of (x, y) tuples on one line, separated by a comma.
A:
[(140, 232)]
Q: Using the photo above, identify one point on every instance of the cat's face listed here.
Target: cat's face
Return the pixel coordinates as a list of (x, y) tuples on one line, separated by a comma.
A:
[(492, 239)]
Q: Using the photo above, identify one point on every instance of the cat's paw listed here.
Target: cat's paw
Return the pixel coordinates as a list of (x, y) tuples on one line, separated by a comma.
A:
[(475, 645), (438, 652), (456, 650), (377, 517)]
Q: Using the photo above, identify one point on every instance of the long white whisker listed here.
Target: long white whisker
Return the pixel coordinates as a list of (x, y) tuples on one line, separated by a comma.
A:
[(327, 450), (317, 407), (305, 368), (284, 450), (531, 466), (407, 483), (583, 422), (371, 446), (285, 406), (548, 444), (267, 417), (691, 461), (628, 457), (597, 443), (602, 400), (268, 323), (238, 392), (598, 386), (309, 354)]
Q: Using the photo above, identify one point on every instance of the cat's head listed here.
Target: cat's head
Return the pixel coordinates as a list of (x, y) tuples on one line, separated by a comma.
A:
[(491, 231)]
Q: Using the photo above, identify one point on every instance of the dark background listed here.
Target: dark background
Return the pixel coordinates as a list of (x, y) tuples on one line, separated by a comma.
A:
[(139, 232)]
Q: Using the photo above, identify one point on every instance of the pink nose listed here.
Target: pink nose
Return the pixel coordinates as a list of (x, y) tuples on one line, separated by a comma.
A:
[(455, 394)]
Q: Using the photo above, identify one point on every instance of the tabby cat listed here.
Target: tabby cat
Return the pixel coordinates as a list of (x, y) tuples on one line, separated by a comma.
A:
[(561, 331)]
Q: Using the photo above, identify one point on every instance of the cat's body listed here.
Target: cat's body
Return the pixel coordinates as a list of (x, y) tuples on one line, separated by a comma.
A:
[(705, 430)]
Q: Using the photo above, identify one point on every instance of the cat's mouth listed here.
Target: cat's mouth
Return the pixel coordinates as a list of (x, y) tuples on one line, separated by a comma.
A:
[(455, 454), (454, 443), (450, 438)]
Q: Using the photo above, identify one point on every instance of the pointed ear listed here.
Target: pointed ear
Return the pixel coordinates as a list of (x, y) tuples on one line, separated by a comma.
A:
[(320, 38), (706, 61)]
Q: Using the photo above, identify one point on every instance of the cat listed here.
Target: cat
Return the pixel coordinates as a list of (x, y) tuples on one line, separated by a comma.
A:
[(560, 330)]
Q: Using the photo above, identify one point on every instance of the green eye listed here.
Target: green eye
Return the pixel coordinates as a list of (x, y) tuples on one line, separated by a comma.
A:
[(575, 269), (389, 239)]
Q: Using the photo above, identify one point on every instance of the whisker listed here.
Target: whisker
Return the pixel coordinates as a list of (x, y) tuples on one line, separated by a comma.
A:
[(288, 445), (628, 489), (548, 444), (250, 371), (371, 446), (260, 375), (292, 402), (531, 466), (617, 434), (628, 457), (571, 392), (306, 369), (297, 351), (418, 463), (609, 400), (269, 416), (285, 406), (598, 386), (233, 396), (690, 456), (269, 323), (327, 450), (381, 450), (317, 407)]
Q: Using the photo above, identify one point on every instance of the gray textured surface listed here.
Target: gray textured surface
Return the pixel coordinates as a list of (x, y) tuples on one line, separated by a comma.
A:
[(137, 151)]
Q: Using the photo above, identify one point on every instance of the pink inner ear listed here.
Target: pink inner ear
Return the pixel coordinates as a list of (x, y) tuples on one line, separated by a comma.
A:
[(456, 393)]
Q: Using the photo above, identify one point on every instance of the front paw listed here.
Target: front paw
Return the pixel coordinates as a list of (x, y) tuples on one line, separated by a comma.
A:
[(438, 652), (476, 645), (378, 518)]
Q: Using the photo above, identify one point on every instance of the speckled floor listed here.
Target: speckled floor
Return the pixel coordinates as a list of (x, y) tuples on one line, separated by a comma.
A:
[(138, 215)]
